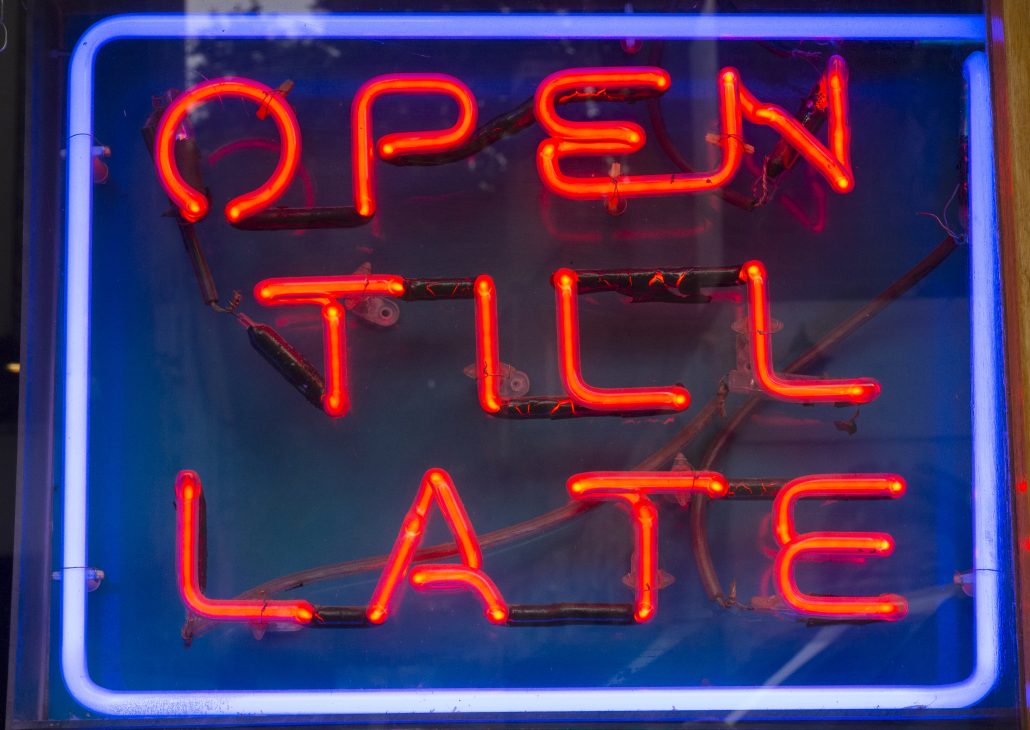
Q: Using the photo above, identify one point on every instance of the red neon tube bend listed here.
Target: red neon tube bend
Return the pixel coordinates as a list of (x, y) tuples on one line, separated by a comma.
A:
[(326, 291), (673, 397), (394, 145), (192, 203), (631, 489), (436, 486), (830, 545), (795, 390), (187, 498), (598, 484)]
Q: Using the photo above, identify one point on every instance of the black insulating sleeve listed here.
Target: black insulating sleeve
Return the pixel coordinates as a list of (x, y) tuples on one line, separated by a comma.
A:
[(514, 121), (202, 542), (339, 617), (557, 614), (418, 290), (559, 408), (672, 284), (297, 219), (501, 126), (290, 363)]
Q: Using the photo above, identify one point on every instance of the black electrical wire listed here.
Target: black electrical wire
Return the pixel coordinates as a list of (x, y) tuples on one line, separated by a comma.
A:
[(303, 219)]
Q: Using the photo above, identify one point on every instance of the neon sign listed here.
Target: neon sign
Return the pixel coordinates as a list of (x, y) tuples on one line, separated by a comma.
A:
[(633, 490), (629, 488), (567, 138)]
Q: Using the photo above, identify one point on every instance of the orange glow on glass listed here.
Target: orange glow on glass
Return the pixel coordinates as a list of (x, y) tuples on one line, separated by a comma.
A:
[(834, 163), (829, 486), (192, 203), (437, 486), (187, 498), (456, 576), (609, 138), (488, 361), (885, 607), (393, 145), (631, 488), (326, 292), (796, 390), (673, 397)]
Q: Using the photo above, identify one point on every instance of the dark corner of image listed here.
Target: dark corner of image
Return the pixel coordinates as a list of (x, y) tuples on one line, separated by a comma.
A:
[(12, 86)]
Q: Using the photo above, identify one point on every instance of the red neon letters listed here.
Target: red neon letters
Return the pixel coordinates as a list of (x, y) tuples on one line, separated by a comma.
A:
[(809, 545), (456, 576), (438, 487), (631, 488), (393, 145), (326, 291), (570, 138), (835, 163), (598, 139), (673, 397), (488, 361), (191, 202), (187, 502), (567, 138), (796, 390)]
